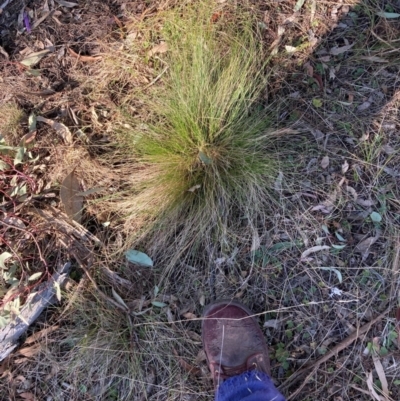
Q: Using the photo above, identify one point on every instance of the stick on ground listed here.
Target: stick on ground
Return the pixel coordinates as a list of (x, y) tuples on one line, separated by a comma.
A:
[(44, 296)]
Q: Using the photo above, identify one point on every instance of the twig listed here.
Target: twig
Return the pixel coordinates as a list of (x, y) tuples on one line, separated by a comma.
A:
[(40, 20), (395, 268), (157, 78), (335, 350), (382, 40)]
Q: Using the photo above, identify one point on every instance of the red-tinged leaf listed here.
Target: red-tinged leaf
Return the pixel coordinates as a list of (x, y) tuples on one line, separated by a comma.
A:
[(85, 59)]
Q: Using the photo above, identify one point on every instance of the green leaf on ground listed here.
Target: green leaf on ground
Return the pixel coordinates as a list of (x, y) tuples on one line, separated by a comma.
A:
[(159, 304), (375, 217), (388, 15), (118, 298), (204, 158), (298, 5), (19, 157), (34, 58), (3, 322), (317, 102), (138, 258), (340, 247), (3, 166), (32, 122)]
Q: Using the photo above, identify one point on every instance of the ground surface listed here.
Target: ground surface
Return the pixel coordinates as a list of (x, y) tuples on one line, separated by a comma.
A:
[(325, 261)]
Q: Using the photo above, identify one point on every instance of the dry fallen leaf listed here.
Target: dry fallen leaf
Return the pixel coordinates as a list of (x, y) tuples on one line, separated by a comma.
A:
[(278, 182), (43, 93), (364, 106), (170, 316), (325, 162), (160, 48), (314, 249), (69, 194), (364, 246), (194, 188), (189, 315), (61, 129), (374, 59), (309, 69), (339, 50), (388, 149), (33, 58), (345, 167), (84, 58), (39, 334), (27, 396), (201, 356), (28, 352), (191, 370), (382, 376), (67, 3), (365, 202), (351, 191), (370, 384), (256, 243), (273, 324)]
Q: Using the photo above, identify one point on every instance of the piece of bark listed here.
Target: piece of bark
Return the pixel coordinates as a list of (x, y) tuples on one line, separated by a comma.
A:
[(41, 297)]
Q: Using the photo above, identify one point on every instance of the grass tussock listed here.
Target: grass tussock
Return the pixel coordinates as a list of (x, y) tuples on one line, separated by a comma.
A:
[(10, 122), (207, 156)]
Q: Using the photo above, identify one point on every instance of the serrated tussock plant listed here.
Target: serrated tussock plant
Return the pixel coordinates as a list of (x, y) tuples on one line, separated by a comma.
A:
[(208, 157)]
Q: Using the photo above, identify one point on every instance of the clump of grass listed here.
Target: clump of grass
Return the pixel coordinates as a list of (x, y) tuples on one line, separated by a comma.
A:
[(11, 119), (207, 157)]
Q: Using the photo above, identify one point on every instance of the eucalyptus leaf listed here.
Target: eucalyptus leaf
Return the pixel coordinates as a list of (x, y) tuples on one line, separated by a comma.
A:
[(375, 217), (119, 299), (35, 73), (3, 257), (34, 58), (3, 322), (19, 157), (334, 270), (339, 237), (35, 276), (338, 246), (58, 291), (159, 304), (18, 190), (298, 5), (3, 166), (138, 258), (388, 15), (32, 122), (204, 158)]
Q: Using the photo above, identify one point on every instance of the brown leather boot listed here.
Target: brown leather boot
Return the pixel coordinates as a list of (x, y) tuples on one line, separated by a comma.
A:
[(232, 341)]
